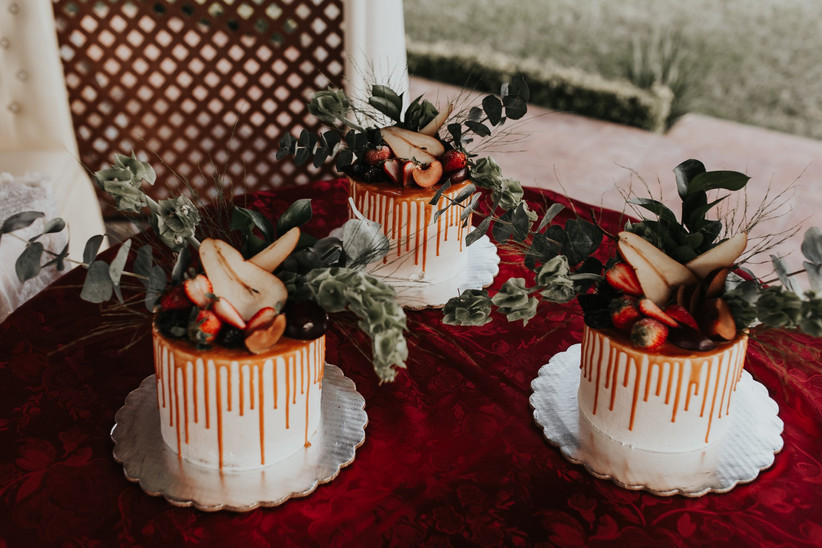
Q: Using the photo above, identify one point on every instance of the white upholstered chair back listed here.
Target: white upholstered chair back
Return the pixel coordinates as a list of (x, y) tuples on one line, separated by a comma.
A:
[(39, 166), (36, 131)]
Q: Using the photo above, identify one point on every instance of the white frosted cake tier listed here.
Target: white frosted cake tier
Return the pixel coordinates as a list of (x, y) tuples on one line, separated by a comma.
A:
[(423, 248), (232, 410), (667, 401)]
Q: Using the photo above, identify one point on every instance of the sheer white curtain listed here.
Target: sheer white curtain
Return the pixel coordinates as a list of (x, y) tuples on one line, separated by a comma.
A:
[(375, 46)]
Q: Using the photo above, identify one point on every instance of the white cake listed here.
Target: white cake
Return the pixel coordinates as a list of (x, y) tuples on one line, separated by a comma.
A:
[(233, 410), (669, 400), (423, 248)]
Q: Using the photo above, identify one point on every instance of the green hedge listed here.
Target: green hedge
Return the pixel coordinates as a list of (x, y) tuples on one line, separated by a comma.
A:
[(558, 88)]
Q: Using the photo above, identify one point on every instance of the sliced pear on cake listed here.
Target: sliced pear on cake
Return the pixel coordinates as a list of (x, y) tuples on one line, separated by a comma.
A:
[(244, 284), (405, 150), (432, 127), (657, 272), (721, 256), (272, 256), (653, 285), (425, 143)]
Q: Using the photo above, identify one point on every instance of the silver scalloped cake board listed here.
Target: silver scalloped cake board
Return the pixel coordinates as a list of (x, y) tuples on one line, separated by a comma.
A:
[(481, 267), (147, 460), (753, 438)]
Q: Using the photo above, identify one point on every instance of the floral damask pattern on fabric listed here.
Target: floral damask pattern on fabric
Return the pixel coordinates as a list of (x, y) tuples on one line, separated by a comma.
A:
[(452, 455)]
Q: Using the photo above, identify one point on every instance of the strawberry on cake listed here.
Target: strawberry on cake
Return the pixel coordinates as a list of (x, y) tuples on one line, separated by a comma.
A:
[(665, 336), (238, 328), (254, 398), (406, 169)]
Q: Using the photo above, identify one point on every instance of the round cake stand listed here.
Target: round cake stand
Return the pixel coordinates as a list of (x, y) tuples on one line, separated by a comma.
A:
[(753, 438), (481, 267), (147, 460)]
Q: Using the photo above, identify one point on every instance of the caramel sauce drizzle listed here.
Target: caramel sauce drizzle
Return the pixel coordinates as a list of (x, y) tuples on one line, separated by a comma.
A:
[(177, 387), (701, 371), (404, 214)]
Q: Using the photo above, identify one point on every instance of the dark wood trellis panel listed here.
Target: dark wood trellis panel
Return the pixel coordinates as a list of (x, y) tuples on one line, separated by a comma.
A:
[(198, 87)]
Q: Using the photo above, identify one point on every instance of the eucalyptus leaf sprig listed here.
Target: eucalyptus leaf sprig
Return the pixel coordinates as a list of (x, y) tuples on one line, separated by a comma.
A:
[(787, 305), (355, 129), (337, 289), (326, 271), (561, 258), (751, 301)]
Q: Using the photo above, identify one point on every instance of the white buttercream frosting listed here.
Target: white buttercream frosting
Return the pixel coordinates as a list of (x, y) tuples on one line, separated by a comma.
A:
[(424, 247), (233, 410), (656, 401)]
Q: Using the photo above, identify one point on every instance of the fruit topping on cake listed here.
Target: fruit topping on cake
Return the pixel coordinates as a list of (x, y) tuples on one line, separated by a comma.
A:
[(685, 272), (378, 140)]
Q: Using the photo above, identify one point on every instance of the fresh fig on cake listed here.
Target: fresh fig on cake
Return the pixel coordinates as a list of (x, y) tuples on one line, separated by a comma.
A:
[(459, 176), (686, 337), (306, 320)]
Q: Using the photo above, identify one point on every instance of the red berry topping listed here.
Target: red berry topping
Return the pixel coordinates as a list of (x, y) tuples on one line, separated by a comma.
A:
[(393, 168), (408, 174), (205, 327), (681, 314), (376, 155), (175, 299), (452, 160), (652, 310), (227, 313), (649, 334), (623, 278), (199, 290), (262, 318), (624, 312)]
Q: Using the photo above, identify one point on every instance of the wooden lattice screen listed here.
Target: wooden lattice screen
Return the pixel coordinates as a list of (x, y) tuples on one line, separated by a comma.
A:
[(198, 87)]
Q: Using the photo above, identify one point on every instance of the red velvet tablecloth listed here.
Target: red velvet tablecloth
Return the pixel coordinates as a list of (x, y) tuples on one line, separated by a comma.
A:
[(452, 454)]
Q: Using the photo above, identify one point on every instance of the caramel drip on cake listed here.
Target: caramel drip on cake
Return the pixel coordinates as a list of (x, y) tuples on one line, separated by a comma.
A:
[(627, 368), (405, 215), (178, 390), (261, 413), (242, 392)]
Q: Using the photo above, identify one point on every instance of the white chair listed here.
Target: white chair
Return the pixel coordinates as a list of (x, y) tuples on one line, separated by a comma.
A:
[(36, 131), (39, 165)]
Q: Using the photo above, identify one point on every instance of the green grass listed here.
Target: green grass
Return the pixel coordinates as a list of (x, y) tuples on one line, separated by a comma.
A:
[(752, 61)]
